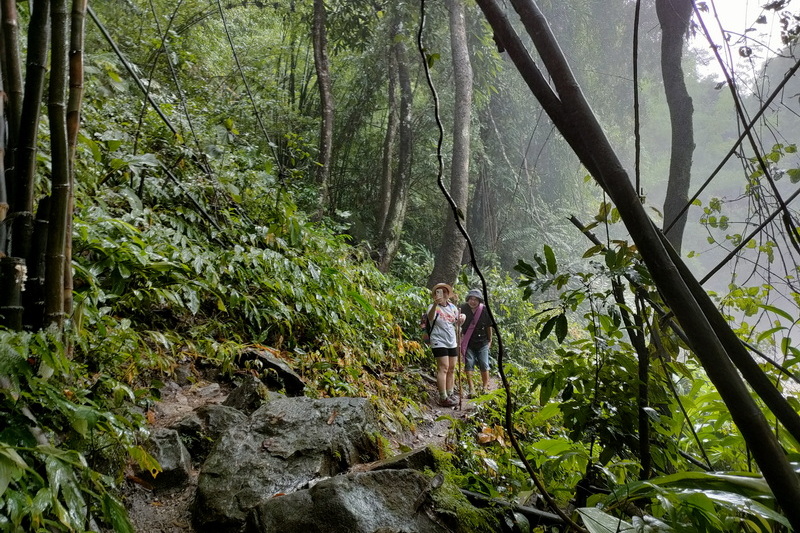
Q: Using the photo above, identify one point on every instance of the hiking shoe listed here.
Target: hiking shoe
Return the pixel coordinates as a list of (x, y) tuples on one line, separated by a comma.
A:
[(448, 402)]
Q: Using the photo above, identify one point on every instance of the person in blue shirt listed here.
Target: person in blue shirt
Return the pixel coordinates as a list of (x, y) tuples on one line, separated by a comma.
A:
[(476, 339)]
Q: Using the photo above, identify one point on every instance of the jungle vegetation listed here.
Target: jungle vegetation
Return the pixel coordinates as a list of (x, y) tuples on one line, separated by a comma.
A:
[(182, 180)]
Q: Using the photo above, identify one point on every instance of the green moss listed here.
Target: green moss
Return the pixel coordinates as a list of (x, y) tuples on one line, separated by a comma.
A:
[(452, 505), (382, 445)]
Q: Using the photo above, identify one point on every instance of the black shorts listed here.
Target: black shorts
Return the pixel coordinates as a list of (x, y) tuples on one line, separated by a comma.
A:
[(445, 352)]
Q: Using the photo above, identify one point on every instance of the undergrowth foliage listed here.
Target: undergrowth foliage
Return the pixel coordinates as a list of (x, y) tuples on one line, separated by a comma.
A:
[(578, 417), (157, 282)]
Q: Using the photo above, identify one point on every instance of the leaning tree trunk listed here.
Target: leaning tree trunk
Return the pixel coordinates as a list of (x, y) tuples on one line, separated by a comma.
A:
[(59, 151), (674, 16), (570, 111), (326, 103), (448, 258), (389, 241)]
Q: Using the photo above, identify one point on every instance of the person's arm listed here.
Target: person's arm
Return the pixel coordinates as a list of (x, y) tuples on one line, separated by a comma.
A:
[(431, 313)]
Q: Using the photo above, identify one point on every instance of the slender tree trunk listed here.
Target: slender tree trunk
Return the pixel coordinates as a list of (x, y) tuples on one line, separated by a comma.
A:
[(584, 133), (77, 31), (392, 126), (25, 156), (448, 258), (674, 16), (395, 217), (59, 152), (326, 103)]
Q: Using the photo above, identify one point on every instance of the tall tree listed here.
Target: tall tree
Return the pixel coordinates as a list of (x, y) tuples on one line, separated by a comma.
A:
[(674, 17), (389, 139), (448, 257), (389, 240), (320, 40)]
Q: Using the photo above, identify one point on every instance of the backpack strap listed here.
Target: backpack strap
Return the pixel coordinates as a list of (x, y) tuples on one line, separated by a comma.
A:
[(430, 324)]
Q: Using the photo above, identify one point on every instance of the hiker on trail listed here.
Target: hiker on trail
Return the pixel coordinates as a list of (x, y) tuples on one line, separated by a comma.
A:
[(476, 339), (444, 317)]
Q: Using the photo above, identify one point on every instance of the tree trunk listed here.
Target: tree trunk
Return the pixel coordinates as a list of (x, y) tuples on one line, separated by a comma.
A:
[(448, 258), (674, 16), (326, 103), (25, 153), (584, 133), (392, 125), (59, 152), (389, 241)]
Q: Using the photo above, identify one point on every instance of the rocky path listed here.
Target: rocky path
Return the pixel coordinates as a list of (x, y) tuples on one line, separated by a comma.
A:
[(168, 511)]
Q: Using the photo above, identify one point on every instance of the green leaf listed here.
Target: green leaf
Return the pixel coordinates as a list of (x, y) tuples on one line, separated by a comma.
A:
[(360, 300), (116, 516), (561, 327), (777, 311), (550, 258), (596, 521), (548, 327), (145, 460), (525, 269)]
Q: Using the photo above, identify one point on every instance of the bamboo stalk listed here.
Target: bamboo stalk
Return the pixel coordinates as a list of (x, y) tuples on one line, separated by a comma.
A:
[(12, 278), (60, 191), (77, 30), (26, 147), (12, 67)]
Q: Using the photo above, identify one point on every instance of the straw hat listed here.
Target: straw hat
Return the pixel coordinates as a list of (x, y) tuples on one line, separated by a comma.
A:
[(444, 286)]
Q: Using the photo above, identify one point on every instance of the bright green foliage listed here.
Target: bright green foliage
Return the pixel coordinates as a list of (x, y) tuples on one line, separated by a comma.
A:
[(65, 436)]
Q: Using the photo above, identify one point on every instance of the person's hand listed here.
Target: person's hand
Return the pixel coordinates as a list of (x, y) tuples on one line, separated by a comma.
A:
[(461, 318)]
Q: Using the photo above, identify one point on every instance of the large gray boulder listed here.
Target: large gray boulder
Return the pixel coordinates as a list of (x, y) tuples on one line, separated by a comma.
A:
[(386, 501), (285, 444), (201, 429)]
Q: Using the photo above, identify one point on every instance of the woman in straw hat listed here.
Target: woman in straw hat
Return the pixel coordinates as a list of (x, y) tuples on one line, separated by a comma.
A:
[(444, 318)]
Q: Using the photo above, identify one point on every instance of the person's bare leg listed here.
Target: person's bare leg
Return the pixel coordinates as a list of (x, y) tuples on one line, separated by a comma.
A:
[(451, 372), (468, 373), (442, 367), (485, 379)]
